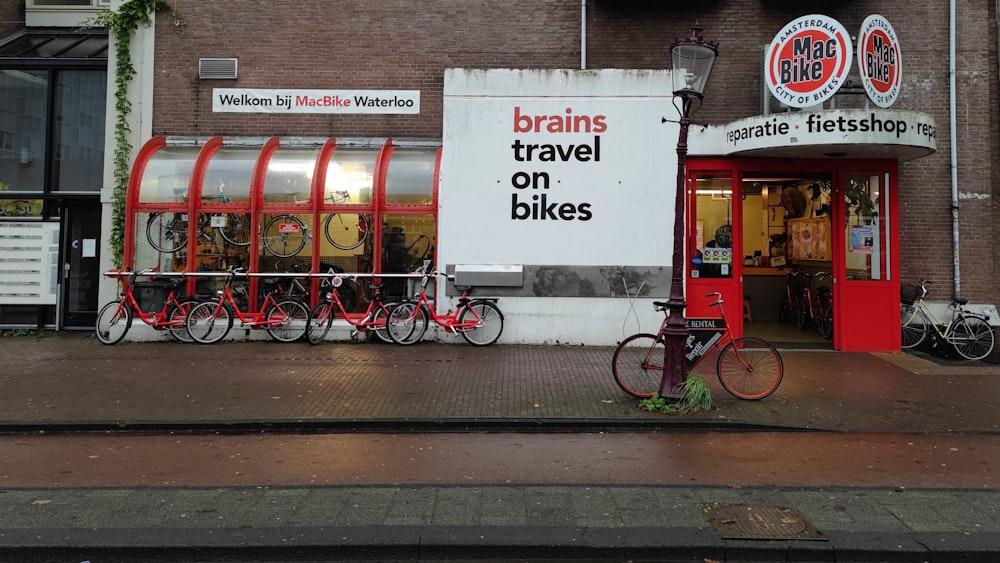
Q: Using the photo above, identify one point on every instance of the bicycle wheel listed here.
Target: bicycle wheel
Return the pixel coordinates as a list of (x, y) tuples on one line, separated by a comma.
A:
[(803, 311), (237, 229), (346, 231), (915, 326), (380, 320), (177, 318), (749, 368), (420, 249), (208, 322), (489, 322), (166, 232), (284, 236), (825, 321), (972, 337), (320, 320), (786, 307), (407, 323), (638, 365), (287, 320), (113, 321)]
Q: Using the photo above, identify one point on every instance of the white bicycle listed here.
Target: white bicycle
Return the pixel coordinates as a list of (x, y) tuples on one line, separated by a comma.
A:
[(970, 333)]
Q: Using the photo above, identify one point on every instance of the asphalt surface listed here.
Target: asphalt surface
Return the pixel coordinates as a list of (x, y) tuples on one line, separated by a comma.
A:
[(71, 383)]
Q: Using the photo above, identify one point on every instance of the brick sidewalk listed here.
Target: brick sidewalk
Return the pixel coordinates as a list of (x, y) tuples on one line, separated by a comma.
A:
[(68, 380)]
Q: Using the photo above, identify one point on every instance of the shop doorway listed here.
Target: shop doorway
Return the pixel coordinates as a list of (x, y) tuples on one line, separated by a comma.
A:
[(787, 242), (81, 273)]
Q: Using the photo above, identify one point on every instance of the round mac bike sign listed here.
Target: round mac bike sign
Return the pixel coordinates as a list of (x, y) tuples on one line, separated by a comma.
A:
[(808, 61), (879, 62)]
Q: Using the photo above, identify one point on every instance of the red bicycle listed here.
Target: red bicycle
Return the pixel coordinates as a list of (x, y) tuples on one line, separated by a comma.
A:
[(748, 367), (372, 320), (791, 301), (211, 321), (816, 303), (115, 319), (478, 320)]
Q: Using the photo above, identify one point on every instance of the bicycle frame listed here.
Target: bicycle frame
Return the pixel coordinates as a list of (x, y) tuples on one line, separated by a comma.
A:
[(748, 367), (251, 319), (704, 335), (115, 318), (941, 328), (363, 321), (211, 321), (969, 332), (155, 319), (791, 301), (478, 320), (448, 321)]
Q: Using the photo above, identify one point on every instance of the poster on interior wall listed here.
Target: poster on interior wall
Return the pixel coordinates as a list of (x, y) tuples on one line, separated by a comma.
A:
[(557, 167), (862, 238), (810, 238)]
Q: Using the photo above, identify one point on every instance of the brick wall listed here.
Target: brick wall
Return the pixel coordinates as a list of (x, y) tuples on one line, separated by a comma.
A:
[(400, 44), (11, 17), (384, 44)]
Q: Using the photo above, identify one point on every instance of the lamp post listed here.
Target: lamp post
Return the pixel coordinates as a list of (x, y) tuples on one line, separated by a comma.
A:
[(693, 58)]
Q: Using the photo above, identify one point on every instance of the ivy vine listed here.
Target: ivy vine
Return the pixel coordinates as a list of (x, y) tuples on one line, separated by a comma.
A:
[(122, 25)]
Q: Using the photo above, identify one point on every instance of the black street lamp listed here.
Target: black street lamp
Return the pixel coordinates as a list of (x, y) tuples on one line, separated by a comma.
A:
[(693, 58)]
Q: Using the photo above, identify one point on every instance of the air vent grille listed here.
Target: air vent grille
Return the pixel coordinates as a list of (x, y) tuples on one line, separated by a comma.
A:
[(217, 69)]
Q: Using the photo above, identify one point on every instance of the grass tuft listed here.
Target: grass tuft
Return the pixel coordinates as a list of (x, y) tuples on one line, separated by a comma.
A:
[(695, 396)]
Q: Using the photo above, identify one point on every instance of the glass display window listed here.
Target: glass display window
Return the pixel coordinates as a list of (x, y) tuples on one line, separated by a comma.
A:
[(167, 176), (227, 176), (408, 245), (865, 229), (410, 177), (350, 177), (712, 252), (289, 176)]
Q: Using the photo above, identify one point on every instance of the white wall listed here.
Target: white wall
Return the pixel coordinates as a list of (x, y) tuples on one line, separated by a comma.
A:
[(613, 207)]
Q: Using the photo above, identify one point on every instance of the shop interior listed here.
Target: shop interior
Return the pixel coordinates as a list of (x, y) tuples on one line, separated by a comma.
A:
[(786, 227)]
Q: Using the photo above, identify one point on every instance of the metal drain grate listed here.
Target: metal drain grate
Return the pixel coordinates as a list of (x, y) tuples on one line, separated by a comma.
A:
[(750, 522)]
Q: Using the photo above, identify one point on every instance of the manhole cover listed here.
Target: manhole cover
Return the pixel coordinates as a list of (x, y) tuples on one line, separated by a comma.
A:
[(746, 521)]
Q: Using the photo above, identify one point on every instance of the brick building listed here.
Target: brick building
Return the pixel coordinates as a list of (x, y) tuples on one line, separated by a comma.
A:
[(401, 46)]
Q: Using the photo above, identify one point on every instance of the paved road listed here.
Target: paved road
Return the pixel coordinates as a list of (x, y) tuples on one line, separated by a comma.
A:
[(270, 459)]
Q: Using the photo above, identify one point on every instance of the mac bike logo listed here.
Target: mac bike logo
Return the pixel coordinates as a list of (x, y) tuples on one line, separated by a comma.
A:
[(879, 61), (808, 61)]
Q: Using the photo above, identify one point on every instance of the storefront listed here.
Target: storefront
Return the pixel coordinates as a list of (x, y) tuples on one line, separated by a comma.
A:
[(53, 96), (553, 175), (766, 195), (566, 177), (281, 206)]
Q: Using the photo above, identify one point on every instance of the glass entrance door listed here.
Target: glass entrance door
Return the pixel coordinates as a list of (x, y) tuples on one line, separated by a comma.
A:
[(869, 294), (713, 244), (81, 265)]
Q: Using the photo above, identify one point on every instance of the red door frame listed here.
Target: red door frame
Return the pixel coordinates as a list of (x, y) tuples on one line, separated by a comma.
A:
[(866, 314)]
